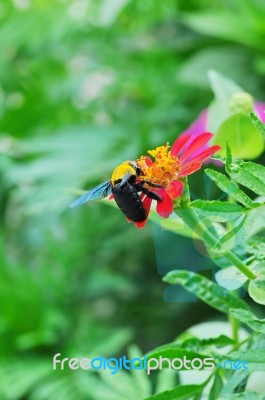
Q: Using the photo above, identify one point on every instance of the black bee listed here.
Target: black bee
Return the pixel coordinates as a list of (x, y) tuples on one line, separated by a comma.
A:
[(125, 188)]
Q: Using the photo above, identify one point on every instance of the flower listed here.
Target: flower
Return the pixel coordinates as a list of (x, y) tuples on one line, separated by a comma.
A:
[(170, 166)]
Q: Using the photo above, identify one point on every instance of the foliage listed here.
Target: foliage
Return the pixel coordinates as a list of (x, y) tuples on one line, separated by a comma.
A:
[(84, 86)]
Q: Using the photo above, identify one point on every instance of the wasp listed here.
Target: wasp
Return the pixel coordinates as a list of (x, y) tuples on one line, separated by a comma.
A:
[(125, 185)]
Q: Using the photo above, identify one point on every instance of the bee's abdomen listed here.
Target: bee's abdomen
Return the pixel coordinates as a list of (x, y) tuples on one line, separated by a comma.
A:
[(129, 202)]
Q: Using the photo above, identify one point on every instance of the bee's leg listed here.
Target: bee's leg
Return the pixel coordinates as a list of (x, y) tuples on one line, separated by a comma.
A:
[(157, 185), (150, 194), (141, 188)]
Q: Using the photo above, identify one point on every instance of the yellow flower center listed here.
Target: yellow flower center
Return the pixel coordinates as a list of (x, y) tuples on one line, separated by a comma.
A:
[(165, 167)]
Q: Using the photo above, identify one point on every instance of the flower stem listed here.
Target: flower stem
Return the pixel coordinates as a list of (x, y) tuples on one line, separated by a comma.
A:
[(191, 219), (234, 327)]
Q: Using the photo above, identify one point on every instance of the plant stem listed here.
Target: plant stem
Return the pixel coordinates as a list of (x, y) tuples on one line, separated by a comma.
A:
[(234, 327), (191, 219)]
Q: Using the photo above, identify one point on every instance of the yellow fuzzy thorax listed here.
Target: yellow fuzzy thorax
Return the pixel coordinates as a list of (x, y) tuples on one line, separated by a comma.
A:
[(122, 169)]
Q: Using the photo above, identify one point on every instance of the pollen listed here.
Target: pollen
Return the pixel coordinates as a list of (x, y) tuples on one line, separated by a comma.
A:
[(163, 169)]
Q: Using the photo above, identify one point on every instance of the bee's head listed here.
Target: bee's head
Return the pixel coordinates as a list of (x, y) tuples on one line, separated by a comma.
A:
[(136, 167)]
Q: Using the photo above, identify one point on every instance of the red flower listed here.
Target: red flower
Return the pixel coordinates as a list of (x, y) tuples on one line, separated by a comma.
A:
[(168, 167)]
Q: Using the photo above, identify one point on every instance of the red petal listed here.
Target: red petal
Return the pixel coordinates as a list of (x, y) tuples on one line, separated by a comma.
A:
[(141, 224), (148, 161), (190, 168), (147, 205), (179, 144), (165, 207), (175, 189), (204, 155), (198, 142)]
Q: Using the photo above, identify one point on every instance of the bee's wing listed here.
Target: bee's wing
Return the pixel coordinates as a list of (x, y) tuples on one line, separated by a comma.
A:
[(99, 192)]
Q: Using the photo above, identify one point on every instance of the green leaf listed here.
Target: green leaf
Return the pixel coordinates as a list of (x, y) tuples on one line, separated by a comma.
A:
[(248, 174), (193, 70), (217, 210), (223, 88), (204, 289), (254, 357), (233, 382), (243, 137), (256, 245), (230, 278), (255, 223), (195, 343), (226, 22), (173, 224), (140, 379), (258, 124), (216, 387), (185, 392), (229, 159), (255, 169), (249, 319), (166, 380), (227, 242), (256, 290), (19, 376), (230, 187)]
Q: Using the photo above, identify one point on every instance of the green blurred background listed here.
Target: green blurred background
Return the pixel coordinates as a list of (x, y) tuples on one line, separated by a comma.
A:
[(85, 85)]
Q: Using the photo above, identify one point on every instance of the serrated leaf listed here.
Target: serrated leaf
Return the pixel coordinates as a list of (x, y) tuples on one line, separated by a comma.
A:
[(256, 290), (255, 222), (258, 124), (204, 289), (230, 187), (249, 319), (248, 174), (185, 392), (195, 343), (255, 169), (219, 210), (243, 137)]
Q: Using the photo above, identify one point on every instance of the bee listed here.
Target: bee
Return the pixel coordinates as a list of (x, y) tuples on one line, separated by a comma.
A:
[(125, 185)]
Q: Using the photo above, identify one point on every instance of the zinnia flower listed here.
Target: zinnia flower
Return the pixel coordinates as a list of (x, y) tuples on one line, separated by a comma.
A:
[(170, 166)]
